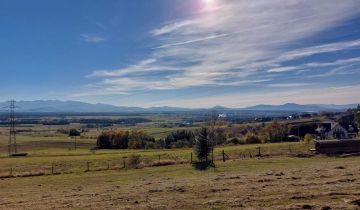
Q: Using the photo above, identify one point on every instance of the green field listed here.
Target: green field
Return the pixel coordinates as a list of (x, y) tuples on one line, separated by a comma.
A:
[(56, 175), (65, 160)]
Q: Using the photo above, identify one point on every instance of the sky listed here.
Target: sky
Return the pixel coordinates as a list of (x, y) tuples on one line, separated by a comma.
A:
[(183, 53)]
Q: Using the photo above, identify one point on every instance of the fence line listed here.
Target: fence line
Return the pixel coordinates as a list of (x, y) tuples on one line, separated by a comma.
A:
[(56, 168)]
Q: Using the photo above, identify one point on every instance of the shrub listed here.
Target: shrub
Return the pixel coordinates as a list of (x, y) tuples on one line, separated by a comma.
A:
[(180, 138), (104, 141), (274, 132), (235, 140), (120, 139), (133, 161), (62, 131), (124, 140), (134, 144), (251, 138), (219, 136), (160, 144), (308, 138), (138, 139), (150, 145), (74, 132)]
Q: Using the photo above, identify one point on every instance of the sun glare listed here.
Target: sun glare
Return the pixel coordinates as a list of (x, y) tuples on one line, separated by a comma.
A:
[(209, 2)]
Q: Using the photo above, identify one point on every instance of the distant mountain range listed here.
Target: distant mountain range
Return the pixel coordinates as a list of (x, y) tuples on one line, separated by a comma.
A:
[(81, 107), (302, 108)]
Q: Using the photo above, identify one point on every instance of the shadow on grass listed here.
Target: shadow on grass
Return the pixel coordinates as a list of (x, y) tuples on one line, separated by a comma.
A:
[(203, 165)]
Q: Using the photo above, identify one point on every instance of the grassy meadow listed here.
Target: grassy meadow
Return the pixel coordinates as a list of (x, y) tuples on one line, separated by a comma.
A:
[(56, 175), (269, 183)]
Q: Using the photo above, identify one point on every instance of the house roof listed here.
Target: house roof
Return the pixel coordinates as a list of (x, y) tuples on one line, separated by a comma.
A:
[(350, 127), (325, 126), (328, 126)]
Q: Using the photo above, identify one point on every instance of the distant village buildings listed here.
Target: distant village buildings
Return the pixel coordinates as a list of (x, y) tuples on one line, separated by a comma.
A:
[(222, 116)]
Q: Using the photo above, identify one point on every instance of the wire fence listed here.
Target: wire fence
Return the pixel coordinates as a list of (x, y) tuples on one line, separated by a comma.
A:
[(96, 163)]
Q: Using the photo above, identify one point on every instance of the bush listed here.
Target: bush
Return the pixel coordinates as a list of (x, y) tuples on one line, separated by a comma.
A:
[(150, 145), (274, 132), (308, 138), (134, 144), (235, 140), (179, 139), (120, 140), (125, 140), (160, 144), (251, 138), (62, 131), (133, 161), (104, 141), (74, 132), (138, 139), (219, 136), (181, 144)]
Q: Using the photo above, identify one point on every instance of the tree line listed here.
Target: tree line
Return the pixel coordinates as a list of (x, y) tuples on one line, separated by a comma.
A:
[(139, 139)]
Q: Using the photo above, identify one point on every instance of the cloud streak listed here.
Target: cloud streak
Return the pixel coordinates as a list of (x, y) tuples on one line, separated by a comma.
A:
[(240, 43), (92, 38)]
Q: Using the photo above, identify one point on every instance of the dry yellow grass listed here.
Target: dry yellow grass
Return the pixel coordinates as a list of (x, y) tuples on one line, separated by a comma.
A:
[(273, 183)]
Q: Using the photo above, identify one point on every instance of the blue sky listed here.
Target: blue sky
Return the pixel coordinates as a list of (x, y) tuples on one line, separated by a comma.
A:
[(188, 53)]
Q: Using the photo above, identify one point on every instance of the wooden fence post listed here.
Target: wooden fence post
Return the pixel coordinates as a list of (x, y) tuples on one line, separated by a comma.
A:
[(75, 143), (11, 172), (159, 158), (124, 163), (191, 158), (212, 155), (108, 166), (259, 152), (223, 154), (52, 168), (87, 165)]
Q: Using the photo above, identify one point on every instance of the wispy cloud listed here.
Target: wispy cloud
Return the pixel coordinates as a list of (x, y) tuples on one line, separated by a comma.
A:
[(92, 38), (283, 69), (342, 70), (193, 41), (335, 63), (171, 27), (239, 43), (282, 85)]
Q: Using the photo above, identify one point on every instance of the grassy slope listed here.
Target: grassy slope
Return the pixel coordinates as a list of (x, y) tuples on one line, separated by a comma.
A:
[(75, 160), (273, 183)]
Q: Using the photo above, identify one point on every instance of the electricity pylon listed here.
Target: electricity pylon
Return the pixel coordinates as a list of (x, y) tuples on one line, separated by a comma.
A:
[(12, 146)]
